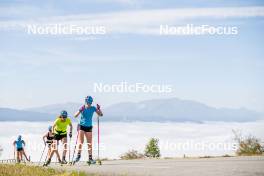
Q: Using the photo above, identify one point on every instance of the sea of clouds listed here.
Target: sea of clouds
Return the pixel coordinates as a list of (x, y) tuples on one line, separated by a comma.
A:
[(116, 138)]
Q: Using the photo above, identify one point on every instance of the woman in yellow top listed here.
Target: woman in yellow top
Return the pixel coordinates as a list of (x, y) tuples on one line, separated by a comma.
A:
[(60, 133)]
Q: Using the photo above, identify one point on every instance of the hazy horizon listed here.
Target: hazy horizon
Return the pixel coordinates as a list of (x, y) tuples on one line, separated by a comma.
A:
[(108, 105)]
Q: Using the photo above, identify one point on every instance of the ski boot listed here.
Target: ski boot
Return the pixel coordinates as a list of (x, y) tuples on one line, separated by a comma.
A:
[(47, 163), (63, 161), (91, 161), (77, 159)]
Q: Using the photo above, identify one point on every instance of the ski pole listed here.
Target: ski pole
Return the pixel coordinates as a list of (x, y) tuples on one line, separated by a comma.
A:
[(15, 153), (98, 138), (46, 156), (76, 142), (70, 150), (42, 154)]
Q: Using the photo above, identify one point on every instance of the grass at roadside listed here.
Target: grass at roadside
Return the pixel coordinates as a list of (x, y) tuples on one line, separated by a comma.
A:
[(23, 170)]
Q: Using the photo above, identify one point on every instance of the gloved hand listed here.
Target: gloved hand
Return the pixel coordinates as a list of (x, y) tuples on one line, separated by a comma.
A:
[(70, 134)]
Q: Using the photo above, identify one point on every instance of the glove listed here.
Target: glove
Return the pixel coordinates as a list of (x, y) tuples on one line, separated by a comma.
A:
[(98, 106), (70, 134)]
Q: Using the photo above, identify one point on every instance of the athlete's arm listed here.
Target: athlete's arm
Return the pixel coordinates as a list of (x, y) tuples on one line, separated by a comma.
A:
[(70, 127), (54, 125), (23, 142), (53, 128), (98, 110), (77, 114), (44, 137)]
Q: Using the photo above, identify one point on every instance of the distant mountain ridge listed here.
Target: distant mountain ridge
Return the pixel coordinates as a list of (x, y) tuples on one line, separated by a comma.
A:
[(158, 110), (71, 108), (7, 114), (177, 110)]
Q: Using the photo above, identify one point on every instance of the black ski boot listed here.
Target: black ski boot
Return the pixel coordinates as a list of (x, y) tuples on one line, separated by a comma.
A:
[(47, 163), (63, 160), (91, 161), (77, 159)]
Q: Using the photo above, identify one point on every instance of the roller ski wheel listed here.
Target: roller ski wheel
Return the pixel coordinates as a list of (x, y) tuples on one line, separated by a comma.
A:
[(72, 163), (99, 162)]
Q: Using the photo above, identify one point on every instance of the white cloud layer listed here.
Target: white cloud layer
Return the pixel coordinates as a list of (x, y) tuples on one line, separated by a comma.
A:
[(143, 21), (176, 139)]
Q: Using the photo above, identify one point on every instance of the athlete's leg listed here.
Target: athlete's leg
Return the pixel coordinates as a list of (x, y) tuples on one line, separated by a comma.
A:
[(49, 149), (80, 141), (18, 156), (58, 155), (23, 152), (49, 146), (56, 151), (64, 142), (53, 149), (89, 138)]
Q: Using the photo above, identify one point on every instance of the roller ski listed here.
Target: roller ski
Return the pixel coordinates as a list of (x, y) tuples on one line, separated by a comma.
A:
[(91, 161), (47, 163)]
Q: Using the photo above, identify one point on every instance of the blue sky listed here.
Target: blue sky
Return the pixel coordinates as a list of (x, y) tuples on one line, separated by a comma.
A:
[(221, 71)]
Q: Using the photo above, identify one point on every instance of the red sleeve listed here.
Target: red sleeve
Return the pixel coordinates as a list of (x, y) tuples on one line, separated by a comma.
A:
[(82, 108)]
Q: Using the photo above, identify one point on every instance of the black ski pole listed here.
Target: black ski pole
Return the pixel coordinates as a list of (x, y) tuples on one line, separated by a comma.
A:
[(42, 154)]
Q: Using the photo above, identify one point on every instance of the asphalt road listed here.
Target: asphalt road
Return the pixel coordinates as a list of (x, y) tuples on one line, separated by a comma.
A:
[(228, 166)]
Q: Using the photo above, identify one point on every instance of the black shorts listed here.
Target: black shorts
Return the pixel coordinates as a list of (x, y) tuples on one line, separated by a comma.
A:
[(59, 136), (86, 129), (19, 149), (49, 142)]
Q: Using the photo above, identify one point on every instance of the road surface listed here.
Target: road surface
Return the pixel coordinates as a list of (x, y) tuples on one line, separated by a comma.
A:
[(223, 166)]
